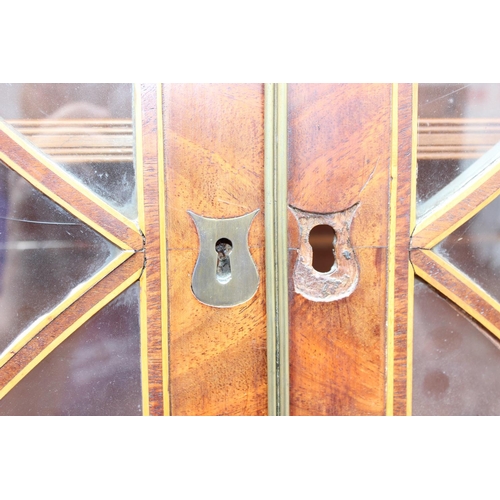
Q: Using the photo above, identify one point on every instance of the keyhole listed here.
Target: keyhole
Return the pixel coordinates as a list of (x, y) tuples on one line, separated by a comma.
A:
[(223, 247), (322, 240)]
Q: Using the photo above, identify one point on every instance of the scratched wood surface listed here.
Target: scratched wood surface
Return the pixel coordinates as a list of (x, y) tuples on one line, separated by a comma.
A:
[(339, 155), (214, 167), (152, 222), (403, 231)]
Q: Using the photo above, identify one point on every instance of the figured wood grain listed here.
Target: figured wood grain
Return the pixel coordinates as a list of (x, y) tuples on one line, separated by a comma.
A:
[(67, 318), (402, 297), (214, 155), (339, 154), (13, 154), (152, 220)]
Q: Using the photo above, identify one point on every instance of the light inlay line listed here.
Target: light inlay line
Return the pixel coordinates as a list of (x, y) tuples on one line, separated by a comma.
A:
[(143, 301), (163, 254), (409, 340), (411, 272)]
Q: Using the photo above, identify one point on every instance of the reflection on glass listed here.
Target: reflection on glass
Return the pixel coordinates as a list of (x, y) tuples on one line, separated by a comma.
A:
[(44, 254), (458, 123), (456, 363), (475, 248), (85, 127), (96, 371)]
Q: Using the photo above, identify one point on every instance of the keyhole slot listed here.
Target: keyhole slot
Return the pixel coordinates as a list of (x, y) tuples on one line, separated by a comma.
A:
[(322, 239), (223, 247)]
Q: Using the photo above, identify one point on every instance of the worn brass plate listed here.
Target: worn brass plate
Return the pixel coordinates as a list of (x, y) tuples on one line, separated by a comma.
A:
[(225, 274)]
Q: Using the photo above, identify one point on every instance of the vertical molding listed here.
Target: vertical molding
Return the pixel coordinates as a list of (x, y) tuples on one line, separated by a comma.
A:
[(276, 216), (392, 253)]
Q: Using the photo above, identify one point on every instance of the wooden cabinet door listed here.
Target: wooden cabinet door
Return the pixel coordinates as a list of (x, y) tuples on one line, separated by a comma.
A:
[(330, 171), (349, 153)]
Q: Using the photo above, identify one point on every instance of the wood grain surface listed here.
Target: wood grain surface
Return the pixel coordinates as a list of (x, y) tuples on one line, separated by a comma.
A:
[(339, 155), (214, 155), (152, 220), (403, 230)]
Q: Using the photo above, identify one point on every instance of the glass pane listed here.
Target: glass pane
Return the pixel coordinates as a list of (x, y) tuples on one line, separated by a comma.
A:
[(458, 123), (456, 363), (85, 127), (95, 371), (475, 248), (44, 254)]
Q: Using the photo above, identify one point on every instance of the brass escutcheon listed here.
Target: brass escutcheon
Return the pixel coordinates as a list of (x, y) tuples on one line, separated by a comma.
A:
[(225, 274)]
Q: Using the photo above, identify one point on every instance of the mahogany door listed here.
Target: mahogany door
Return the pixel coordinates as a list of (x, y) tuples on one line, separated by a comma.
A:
[(102, 192)]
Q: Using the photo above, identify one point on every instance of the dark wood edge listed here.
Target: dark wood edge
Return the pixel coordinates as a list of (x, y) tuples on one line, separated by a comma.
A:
[(149, 107), (403, 229)]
